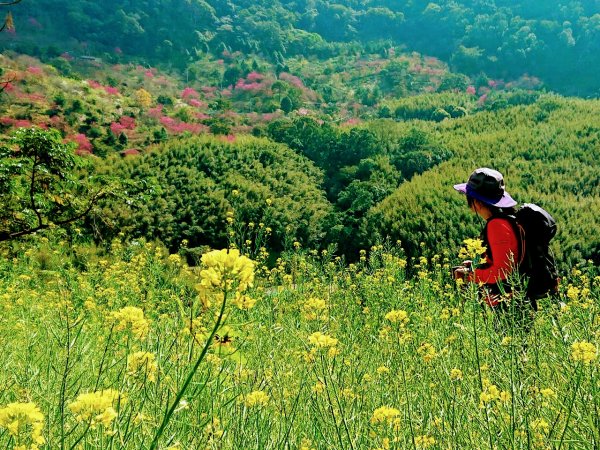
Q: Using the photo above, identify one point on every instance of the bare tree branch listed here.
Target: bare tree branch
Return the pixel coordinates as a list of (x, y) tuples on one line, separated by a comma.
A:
[(4, 236), (13, 2), (5, 83)]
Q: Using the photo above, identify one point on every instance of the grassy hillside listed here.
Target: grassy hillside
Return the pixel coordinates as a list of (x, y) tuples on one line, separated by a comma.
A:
[(117, 107), (546, 146)]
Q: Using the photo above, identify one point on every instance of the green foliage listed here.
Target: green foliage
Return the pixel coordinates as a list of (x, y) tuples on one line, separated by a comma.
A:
[(360, 169), (435, 107), (39, 187), (193, 184), (546, 152), (505, 40)]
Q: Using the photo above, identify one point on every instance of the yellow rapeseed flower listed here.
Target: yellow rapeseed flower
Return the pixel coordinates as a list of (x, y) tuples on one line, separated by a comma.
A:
[(584, 352), (424, 441), (176, 446), (96, 407), (313, 309), (243, 301), (573, 292), (504, 397), (17, 417), (540, 425), (333, 352), (384, 414), (473, 249), (224, 268), (318, 387), (398, 316), (427, 351), (456, 374), (256, 398), (548, 393), (382, 370), (131, 317), (321, 340), (142, 364), (489, 394)]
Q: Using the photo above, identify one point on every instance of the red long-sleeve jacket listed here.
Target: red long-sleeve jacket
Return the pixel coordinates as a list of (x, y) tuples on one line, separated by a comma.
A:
[(502, 253)]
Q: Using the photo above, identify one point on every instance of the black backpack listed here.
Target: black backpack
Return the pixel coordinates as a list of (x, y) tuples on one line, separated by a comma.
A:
[(537, 263)]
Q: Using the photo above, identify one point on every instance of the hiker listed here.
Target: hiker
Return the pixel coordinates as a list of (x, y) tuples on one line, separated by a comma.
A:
[(502, 237)]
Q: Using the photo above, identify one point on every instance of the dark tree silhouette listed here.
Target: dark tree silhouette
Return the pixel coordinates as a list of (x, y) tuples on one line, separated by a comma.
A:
[(8, 21)]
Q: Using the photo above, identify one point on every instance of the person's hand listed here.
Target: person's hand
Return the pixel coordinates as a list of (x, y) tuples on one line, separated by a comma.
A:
[(460, 272)]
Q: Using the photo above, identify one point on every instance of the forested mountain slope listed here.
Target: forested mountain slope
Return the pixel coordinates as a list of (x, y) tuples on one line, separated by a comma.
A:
[(202, 189), (549, 153), (557, 41)]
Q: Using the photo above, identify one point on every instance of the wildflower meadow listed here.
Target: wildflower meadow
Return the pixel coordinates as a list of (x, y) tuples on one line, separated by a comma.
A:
[(133, 348)]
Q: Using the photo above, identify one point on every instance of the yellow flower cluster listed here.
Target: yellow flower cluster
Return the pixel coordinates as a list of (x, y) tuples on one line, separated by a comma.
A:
[(456, 374), (256, 398), (142, 364), (382, 370), (243, 301), (398, 316), (321, 340), (224, 268), (313, 309), (385, 414), (548, 393), (96, 407), (473, 250), (427, 352), (491, 393), (131, 316), (583, 351), (16, 417), (540, 425), (573, 292), (424, 441), (319, 387)]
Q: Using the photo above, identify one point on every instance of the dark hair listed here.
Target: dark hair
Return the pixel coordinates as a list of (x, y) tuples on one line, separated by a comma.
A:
[(494, 209), (470, 200)]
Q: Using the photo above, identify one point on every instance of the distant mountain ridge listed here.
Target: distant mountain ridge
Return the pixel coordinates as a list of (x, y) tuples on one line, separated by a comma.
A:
[(557, 41)]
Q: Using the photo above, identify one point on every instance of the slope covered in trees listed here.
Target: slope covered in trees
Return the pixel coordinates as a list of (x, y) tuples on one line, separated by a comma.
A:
[(548, 152), (557, 41), (388, 130), (199, 189), (383, 179)]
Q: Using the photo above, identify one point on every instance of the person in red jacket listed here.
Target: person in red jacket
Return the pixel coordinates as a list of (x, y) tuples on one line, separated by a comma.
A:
[(487, 197)]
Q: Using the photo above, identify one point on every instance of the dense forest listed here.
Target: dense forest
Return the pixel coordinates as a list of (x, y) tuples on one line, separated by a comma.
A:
[(557, 41), (317, 184)]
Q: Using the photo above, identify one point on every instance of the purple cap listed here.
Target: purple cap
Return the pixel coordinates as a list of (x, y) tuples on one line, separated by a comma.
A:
[(487, 185)]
